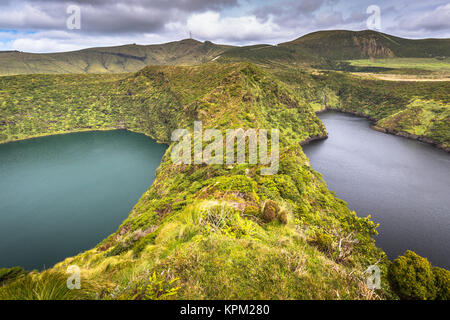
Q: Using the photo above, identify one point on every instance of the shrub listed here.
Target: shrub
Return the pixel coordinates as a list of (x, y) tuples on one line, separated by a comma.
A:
[(270, 211), (227, 220), (323, 241), (442, 281), (157, 287), (411, 277), (117, 250), (143, 242), (252, 211)]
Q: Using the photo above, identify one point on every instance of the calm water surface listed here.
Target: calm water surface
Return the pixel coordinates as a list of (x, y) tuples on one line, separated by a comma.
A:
[(403, 184), (61, 195)]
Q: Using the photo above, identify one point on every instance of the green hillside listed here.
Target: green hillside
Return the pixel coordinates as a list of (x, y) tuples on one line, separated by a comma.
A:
[(283, 236), (318, 48), (226, 231), (346, 45), (128, 58)]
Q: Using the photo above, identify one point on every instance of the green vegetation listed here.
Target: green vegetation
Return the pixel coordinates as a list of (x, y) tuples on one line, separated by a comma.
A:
[(128, 58), (320, 48), (10, 274), (195, 218), (226, 231), (44, 286), (418, 110), (432, 64), (346, 45), (413, 278), (442, 282)]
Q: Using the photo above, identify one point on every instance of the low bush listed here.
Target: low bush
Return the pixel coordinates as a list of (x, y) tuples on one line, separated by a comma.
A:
[(270, 211), (442, 281), (411, 277), (323, 241)]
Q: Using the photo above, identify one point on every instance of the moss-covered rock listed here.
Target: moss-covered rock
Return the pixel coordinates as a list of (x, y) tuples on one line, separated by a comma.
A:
[(270, 211)]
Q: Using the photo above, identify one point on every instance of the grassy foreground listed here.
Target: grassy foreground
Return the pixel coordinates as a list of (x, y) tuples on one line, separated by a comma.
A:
[(208, 231)]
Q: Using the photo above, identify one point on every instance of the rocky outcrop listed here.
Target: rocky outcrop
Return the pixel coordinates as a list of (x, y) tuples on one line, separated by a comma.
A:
[(371, 48)]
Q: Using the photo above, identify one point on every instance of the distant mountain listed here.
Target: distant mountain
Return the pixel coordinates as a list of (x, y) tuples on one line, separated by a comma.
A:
[(342, 44), (313, 47), (127, 58)]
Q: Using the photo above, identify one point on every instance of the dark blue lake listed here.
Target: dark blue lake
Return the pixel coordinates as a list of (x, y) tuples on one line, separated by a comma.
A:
[(403, 184)]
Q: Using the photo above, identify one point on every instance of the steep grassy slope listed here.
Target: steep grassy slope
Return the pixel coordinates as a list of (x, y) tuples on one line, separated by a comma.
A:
[(128, 58), (211, 231)]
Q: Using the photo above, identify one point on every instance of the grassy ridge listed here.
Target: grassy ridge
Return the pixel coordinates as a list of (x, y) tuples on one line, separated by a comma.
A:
[(345, 45), (210, 231), (127, 58)]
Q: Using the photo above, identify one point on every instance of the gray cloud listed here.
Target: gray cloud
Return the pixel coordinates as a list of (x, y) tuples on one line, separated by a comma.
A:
[(437, 20), (105, 16), (240, 22), (288, 10)]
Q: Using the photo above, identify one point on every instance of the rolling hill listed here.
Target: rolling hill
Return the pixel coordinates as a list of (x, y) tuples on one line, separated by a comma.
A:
[(343, 45), (127, 58), (313, 48)]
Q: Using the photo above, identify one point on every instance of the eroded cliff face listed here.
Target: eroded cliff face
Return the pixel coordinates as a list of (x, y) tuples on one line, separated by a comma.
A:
[(371, 48)]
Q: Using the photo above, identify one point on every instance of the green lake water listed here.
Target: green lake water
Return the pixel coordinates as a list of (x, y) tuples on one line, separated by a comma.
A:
[(63, 194)]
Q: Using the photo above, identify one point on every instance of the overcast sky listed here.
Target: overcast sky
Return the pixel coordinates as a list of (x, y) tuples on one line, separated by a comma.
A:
[(41, 25)]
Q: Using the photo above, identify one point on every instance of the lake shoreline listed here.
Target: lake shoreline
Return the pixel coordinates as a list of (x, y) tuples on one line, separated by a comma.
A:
[(55, 189), (388, 131), (60, 133), (386, 177)]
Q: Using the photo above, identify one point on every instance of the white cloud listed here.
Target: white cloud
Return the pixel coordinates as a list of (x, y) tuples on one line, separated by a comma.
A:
[(212, 26), (60, 41)]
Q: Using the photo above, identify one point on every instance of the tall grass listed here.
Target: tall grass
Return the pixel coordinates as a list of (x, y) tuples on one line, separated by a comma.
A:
[(45, 286)]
